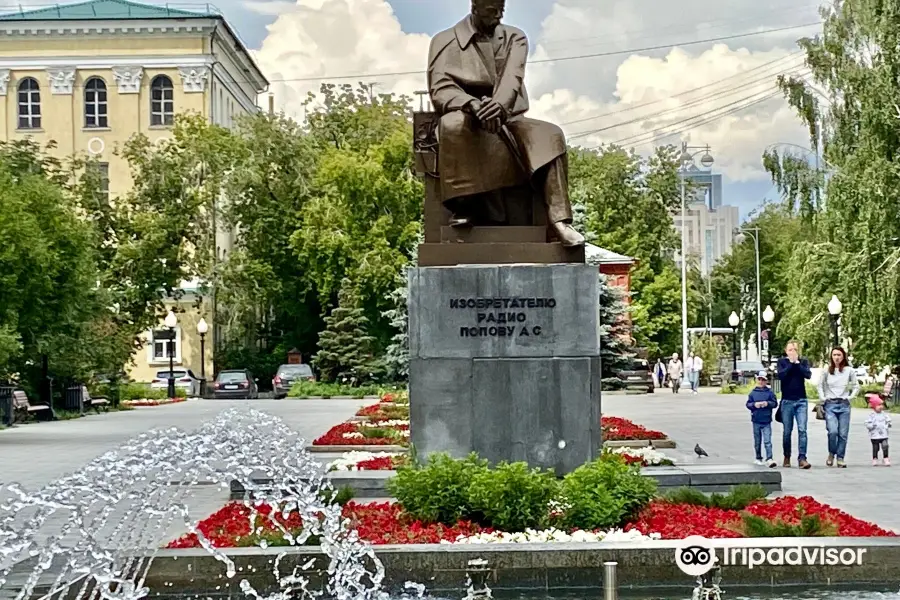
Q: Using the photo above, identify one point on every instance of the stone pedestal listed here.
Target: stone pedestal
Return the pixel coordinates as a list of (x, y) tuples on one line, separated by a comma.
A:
[(505, 362)]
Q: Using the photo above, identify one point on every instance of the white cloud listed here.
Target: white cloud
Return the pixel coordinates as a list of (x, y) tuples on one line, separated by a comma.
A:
[(337, 37), (312, 38)]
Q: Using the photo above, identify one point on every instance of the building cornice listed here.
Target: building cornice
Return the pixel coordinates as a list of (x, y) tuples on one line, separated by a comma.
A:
[(87, 63), (105, 27)]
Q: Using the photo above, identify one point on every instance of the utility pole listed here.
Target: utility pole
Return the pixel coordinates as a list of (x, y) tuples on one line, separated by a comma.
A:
[(371, 87)]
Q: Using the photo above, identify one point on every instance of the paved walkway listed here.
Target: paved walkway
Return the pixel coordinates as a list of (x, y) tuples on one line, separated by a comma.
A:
[(721, 425), (34, 454)]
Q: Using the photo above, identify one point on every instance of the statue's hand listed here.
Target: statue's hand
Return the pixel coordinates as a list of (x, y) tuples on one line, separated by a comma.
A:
[(492, 125), (490, 111)]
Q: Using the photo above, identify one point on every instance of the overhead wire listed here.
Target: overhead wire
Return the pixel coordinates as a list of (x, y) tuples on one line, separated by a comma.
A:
[(704, 118), (766, 79), (763, 66), (567, 58)]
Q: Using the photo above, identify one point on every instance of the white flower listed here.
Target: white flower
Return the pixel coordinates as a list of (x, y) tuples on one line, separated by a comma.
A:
[(552, 535), (353, 435), (649, 455), (391, 423), (349, 460)]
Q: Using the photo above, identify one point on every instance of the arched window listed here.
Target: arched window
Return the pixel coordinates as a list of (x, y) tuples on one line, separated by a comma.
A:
[(162, 101), (29, 104), (95, 107)]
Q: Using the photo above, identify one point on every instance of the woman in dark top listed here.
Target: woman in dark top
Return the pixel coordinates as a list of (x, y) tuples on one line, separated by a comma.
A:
[(793, 371)]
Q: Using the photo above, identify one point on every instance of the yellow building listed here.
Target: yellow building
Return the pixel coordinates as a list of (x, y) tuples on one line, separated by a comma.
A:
[(88, 76)]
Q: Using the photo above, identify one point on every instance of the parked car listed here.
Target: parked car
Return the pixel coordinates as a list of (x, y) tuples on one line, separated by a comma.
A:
[(863, 376), (287, 375), (637, 376), (185, 381), (749, 369), (235, 384)]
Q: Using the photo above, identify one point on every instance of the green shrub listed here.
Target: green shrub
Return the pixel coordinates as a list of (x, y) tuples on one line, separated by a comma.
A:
[(809, 526), (437, 492), (306, 389), (513, 497), (339, 497), (739, 498), (604, 493)]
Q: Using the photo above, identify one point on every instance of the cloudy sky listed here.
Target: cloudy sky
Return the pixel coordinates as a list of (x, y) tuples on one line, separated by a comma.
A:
[(659, 77)]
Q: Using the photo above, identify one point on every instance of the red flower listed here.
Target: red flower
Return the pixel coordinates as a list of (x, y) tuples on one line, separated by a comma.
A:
[(617, 428), (335, 437)]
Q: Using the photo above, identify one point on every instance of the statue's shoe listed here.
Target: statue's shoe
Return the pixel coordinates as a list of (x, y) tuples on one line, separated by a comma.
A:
[(568, 236), (460, 222)]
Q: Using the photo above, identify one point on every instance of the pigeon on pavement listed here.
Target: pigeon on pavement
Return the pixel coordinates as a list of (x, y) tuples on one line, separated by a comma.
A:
[(700, 451)]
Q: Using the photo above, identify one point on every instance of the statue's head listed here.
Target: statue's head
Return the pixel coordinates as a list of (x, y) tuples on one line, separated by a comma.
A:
[(487, 14)]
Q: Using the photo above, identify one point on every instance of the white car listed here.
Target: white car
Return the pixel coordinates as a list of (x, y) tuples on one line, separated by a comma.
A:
[(862, 375), (185, 381)]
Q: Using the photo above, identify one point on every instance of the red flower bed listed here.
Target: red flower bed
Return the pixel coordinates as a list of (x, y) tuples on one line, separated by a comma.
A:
[(677, 521), (368, 411), (335, 437), (386, 524), (617, 428), (383, 523)]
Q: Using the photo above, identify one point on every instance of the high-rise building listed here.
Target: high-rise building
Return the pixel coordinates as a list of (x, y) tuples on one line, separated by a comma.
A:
[(708, 233), (707, 186)]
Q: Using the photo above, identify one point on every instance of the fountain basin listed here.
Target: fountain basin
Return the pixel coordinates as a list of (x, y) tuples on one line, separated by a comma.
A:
[(535, 567)]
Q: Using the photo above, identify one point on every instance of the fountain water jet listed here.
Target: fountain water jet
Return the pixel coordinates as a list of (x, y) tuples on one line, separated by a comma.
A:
[(95, 533)]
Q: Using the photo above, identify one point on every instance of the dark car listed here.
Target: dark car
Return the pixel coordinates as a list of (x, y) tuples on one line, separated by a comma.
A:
[(749, 369), (288, 375), (637, 376), (235, 383)]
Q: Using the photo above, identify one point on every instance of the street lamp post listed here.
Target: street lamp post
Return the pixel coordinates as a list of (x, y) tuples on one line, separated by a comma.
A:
[(768, 317), (202, 328), (834, 309), (734, 320), (171, 322), (687, 159), (754, 233)]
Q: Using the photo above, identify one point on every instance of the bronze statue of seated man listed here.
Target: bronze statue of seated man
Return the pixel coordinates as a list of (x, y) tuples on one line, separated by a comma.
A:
[(476, 79)]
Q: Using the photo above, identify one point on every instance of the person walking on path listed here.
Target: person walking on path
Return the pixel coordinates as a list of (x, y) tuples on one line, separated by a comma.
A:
[(659, 373), (761, 402), (793, 371), (675, 370), (837, 389), (694, 368), (879, 425)]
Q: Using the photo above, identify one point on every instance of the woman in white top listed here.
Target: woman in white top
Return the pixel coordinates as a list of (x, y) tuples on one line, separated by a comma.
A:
[(837, 387)]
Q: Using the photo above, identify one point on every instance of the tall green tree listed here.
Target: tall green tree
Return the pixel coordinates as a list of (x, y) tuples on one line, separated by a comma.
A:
[(49, 288), (854, 122)]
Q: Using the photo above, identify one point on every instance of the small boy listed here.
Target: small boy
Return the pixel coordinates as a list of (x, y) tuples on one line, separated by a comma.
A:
[(761, 402), (879, 426)]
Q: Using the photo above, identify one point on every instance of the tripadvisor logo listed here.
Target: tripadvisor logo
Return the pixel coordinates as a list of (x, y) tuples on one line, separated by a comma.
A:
[(696, 556)]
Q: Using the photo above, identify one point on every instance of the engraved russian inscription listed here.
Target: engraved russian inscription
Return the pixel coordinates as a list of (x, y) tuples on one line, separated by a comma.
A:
[(494, 317)]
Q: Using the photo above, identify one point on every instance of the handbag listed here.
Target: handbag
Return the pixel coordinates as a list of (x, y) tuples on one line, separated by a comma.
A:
[(778, 416), (820, 411)]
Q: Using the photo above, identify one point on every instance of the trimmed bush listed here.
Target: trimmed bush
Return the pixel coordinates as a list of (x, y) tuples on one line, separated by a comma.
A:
[(513, 497), (437, 492), (604, 493)]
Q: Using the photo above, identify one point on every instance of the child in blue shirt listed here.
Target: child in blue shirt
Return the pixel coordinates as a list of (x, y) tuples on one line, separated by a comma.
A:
[(761, 402)]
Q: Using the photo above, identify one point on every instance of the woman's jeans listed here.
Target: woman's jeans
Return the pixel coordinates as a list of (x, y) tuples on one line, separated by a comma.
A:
[(837, 422), (762, 436), (794, 411)]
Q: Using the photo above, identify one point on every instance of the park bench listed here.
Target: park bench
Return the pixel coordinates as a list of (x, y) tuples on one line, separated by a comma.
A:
[(21, 406), (95, 403), (887, 392)]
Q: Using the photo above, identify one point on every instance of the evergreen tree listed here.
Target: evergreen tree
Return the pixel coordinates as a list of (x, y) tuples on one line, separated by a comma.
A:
[(396, 356), (345, 349), (614, 334)]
